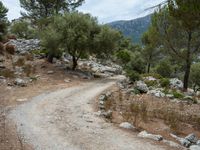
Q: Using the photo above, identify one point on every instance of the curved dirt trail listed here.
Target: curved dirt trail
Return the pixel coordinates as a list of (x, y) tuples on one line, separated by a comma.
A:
[(64, 120)]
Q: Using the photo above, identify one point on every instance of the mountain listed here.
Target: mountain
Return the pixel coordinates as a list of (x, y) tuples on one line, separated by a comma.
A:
[(133, 28)]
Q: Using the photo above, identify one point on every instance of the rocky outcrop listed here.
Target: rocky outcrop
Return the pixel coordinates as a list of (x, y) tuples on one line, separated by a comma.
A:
[(126, 125), (22, 45), (141, 86), (145, 134), (176, 83)]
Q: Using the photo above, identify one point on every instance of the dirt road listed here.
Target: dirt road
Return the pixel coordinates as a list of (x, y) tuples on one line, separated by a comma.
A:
[(65, 120)]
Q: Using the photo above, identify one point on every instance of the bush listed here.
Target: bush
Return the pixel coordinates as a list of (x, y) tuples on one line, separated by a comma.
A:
[(20, 62), (124, 57), (22, 29), (151, 83), (178, 95), (137, 63), (7, 73), (1, 48), (164, 82), (133, 75), (10, 49), (164, 69), (195, 76)]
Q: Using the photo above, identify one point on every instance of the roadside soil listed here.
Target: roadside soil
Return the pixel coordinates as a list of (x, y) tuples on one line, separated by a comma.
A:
[(155, 115)]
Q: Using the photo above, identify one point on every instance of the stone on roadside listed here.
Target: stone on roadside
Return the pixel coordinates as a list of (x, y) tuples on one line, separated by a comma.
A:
[(50, 72), (195, 147), (126, 125), (141, 86), (144, 134), (20, 82), (67, 80), (192, 138)]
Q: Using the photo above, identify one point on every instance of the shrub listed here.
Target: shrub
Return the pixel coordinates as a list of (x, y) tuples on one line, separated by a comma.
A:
[(151, 83), (20, 62), (10, 49), (7, 73), (1, 48), (195, 76), (123, 56), (177, 95), (133, 75), (164, 82), (164, 69), (28, 69)]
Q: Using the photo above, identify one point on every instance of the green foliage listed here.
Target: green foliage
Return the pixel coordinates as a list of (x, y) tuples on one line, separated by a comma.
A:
[(137, 63), (50, 40), (177, 94), (133, 75), (39, 9), (3, 21), (195, 76), (164, 82), (105, 42), (150, 83), (164, 69), (124, 56), (178, 28), (79, 35), (22, 29)]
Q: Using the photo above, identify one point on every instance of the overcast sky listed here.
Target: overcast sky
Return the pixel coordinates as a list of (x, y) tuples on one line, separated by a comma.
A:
[(104, 10)]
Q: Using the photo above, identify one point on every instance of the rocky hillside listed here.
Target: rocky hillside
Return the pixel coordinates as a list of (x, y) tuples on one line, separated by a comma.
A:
[(133, 28)]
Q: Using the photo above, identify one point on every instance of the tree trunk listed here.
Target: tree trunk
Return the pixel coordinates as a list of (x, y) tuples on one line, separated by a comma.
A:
[(186, 76), (50, 58), (148, 67), (74, 63), (188, 63)]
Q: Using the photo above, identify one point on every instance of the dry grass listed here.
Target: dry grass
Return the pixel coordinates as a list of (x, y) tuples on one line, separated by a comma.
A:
[(149, 113)]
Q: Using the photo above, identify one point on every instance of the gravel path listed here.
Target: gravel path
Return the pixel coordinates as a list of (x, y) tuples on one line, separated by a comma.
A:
[(64, 120)]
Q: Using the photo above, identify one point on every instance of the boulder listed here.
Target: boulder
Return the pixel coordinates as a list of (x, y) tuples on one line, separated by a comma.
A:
[(176, 83), (198, 142), (50, 72), (141, 86), (156, 92), (192, 138), (144, 134), (195, 147), (20, 82), (183, 141), (126, 125)]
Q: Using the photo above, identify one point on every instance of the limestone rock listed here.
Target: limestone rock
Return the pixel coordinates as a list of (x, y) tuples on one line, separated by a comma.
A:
[(144, 134), (126, 125)]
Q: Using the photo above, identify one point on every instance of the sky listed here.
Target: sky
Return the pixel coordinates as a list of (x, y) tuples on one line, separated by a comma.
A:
[(105, 10)]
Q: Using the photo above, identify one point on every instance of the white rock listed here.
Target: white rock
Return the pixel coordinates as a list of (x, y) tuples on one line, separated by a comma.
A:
[(22, 100), (50, 72), (67, 80), (141, 86), (126, 125), (20, 82), (144, 134), (176, 83), (195, 147)]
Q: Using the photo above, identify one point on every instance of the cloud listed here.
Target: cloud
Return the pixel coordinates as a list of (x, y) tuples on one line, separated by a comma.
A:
[(104, 10), (14, 8)]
